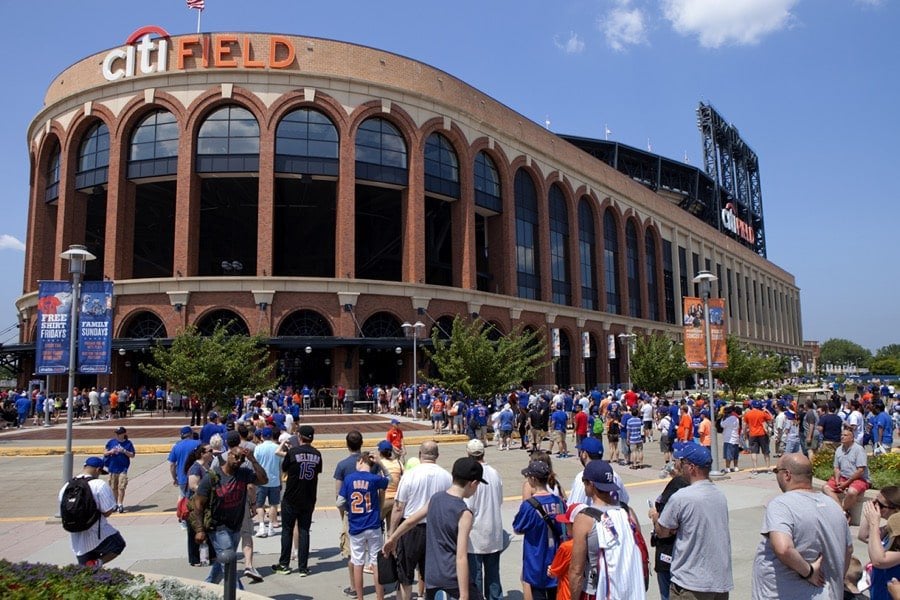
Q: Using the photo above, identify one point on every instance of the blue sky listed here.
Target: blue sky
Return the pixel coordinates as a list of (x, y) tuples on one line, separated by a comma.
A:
[(812, 86)]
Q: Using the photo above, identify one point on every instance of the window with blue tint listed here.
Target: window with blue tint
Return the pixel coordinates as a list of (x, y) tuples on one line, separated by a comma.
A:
[(441, 166), (154, 146), (51, 189), (632, 265), (306, 143), (487, 183), (652, 282), (611, 262), (528, 273), (380, 152), (730, 295), (587, 250), (559, 247), (93, 157), (668, 281), (228, 142), (683, 272)]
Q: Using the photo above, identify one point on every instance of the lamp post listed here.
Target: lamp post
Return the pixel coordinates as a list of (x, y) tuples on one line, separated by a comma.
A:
[(415, 331), (705, 279), (626, 339), (77, 256)]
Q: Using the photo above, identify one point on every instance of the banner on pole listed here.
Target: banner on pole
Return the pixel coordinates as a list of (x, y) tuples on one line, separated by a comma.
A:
[(95, 327), (554, 342), (611, 346), (54, 310), (695, 333), (585, 345)]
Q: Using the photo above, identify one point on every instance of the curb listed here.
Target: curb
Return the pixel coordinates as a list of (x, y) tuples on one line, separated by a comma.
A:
[(165, 448)]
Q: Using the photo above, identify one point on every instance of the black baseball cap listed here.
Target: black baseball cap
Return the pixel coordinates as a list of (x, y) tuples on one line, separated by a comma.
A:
[(468, 469)]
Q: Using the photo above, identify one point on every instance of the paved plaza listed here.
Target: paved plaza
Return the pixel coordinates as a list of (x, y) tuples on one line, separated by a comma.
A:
[(157, 544)]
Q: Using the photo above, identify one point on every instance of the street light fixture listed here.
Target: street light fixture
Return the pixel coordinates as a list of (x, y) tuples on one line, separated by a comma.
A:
[(626, 339), (705, 279), (415, 331), (76, 255)]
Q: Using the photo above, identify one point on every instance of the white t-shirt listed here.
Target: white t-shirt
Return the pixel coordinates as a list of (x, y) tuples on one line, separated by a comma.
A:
[(418, 485), (856, 420), (647, 412), (486, 536), (731, 426), (576, 494), (85, 541)]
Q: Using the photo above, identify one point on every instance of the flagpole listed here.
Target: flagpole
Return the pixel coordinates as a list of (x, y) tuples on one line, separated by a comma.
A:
[(199, 12)]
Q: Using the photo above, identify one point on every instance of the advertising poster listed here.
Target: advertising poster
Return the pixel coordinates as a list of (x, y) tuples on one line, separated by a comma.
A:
[(95, 327), (695, 333), (54, 308), (585, 345), (611, 346), (554, 342)]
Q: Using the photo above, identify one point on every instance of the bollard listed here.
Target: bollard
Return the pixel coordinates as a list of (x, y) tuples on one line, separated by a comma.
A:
[(228, 558)]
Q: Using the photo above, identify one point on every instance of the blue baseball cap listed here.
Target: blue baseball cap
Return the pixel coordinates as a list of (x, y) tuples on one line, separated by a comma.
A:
[(756, 404), (591, 445), (186, 430), (693, 453), (95, 462), (600, 474), (385, 446), (267, 432)]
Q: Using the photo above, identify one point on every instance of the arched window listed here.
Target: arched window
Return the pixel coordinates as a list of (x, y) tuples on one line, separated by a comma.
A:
[(444, 327), (441, 166), (145, 325), (611, 262), (382, 325), (228, 142), (234, 323), (528, 265), (559, 247), (587, 249), (93, 157), (306, 142), (51, 190), (305, 323), (487, 183), (652, 283), (154, 146), (563, 368), (632, 270), (494, 331), (380, 152)]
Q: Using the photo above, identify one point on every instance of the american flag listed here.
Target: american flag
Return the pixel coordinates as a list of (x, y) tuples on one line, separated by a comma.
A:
[(197, 4)]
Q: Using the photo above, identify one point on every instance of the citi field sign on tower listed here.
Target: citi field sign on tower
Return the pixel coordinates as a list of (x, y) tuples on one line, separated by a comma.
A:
[(147, 50)]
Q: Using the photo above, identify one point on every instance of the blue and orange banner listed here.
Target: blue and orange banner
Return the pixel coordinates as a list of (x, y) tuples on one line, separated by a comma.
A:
[(54, 309), (695, 333), (95, 327)]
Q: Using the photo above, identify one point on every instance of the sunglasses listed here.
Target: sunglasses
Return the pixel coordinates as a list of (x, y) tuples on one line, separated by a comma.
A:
[(778, 470)]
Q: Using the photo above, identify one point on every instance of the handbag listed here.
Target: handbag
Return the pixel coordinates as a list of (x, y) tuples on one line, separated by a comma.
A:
[(181, 509), (387, 568)]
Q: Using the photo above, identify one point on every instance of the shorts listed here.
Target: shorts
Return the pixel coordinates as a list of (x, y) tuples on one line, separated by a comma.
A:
[(364, 547), (759, 443), (247, 529), (114, 544), (648, 425), (438, 417), (636, 446), (613, 439), (505, 434), (411, 555), (558, 436), (536, 435), (118, 480), (664, 445), (859, 485), (273, 494), (731, 452)]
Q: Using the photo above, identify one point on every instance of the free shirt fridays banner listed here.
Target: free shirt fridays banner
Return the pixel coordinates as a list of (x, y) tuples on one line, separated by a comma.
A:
[(695, 333)]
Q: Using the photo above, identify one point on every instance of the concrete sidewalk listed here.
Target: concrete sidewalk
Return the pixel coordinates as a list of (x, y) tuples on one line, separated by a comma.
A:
[(157, 544)]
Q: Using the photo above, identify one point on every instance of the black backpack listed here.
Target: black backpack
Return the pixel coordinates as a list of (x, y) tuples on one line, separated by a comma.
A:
[(78, 509)]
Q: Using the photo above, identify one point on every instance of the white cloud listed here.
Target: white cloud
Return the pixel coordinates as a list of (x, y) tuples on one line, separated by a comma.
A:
[(573, 45), (728, 22), (623, 26), (8, 242)]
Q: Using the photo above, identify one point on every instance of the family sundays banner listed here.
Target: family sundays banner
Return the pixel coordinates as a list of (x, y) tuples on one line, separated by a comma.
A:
[(95, 327), (695, 333)]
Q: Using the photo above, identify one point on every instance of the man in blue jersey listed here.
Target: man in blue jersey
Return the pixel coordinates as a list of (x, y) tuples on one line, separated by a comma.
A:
[(361, 495), (559, 423)]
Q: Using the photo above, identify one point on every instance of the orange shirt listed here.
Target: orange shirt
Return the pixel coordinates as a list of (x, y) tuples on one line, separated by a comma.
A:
[(395, 437), (703, 429), (756, 418), (559, 568), (685, 432), (113, 400)]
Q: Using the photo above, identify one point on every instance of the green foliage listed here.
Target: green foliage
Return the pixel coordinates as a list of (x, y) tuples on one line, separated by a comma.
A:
[(746, 368), (884, 470), (838, 351), (657, 363), (217, 367), (889, 351), (885, 365), (469, 362)]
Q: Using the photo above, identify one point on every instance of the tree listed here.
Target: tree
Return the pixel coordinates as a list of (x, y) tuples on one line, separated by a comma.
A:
[(837, 351), (471, 363), (657, 363), (746, 368), (889, 351), (217, 367), (885, 365)]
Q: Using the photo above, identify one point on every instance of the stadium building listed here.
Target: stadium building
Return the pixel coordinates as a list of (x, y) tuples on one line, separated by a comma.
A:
[(324, 193)]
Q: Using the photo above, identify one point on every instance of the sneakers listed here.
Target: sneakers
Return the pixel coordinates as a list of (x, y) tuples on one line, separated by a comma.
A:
[(252, 574), (349, 591), (281, 569), (120, 508), (262, 533), (95, 564), (303, 572)]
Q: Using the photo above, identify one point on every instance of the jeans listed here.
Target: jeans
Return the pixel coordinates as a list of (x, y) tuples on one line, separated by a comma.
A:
[(303, 519), (488, 586), (222, 539), (663, 579)]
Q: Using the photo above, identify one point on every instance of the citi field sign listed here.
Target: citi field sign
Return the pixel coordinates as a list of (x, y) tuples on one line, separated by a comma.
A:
[(732, 223), (147, 51)]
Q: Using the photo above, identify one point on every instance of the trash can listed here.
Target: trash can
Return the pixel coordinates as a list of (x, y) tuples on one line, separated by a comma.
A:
[(349, 402)]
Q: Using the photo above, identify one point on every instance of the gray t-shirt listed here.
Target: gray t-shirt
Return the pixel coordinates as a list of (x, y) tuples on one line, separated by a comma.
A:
[(850, 460), (444, 512), (702, 557), (817, 526)]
